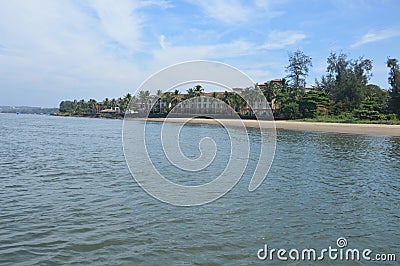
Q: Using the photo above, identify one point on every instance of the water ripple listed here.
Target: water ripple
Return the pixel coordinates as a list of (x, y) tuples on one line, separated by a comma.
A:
[(66, 197)]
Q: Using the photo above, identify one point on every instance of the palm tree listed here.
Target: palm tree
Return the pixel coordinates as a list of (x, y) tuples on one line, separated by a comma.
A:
[(232, 99), (198, 90), (132, 103), (226, 96), (128, 96), (144, 99), (175, 98), (214, 97), (237, 102), (92, 104), (125, 102), (167, 98), (190, 93), (113, 103), (106, 103), (248, 95), (271, 90), (252, 95), (159, 96)]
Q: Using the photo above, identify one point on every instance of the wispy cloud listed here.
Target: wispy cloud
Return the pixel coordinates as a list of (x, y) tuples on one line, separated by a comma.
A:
[(119, 22), (236, 11), (281, 39), (62, 47), (160, 3), (170, 54), (56, 50), (375, 36)]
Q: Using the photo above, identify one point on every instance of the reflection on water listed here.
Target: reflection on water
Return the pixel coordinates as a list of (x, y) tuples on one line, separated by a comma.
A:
[(66, 196)]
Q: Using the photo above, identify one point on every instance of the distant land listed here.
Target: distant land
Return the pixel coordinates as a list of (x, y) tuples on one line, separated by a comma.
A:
[(27, 110)]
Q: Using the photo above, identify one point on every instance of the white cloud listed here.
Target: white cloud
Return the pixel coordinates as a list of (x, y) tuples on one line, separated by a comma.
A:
[(225, 10), (258, 75), (160, 3), (61, 48), (163, 44), (236, 11), (120, 22), (375, 36), (170, 54), (54, 50), (281, 39)]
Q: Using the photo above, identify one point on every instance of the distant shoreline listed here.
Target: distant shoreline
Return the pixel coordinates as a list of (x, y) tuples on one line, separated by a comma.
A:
[(342, 128)]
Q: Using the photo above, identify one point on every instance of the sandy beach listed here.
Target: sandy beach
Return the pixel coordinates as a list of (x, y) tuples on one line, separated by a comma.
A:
[(343, 128)]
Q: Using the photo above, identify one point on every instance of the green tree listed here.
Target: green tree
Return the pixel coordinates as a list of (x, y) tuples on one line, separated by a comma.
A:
[(374, 105), (190, 93), (159, 98), (298, 68), (113, 103), (144, 99), (92, 105), (195, 91), (378, 97), (167, 99), (290, 110), (236, 101), (124, 102), (176, 98), (67, 107), (314, 102), (346, 81), (214, 99), (271, 90), (394, 81), (198, 90), (81, 107), (252, 95), (106, 103)]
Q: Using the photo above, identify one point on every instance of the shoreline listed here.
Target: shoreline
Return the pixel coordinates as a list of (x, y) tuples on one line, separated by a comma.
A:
[(323, 127), (341, 128)]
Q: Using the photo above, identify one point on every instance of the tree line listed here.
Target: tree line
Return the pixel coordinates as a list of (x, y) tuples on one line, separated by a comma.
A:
[(342, 93), (93, 107)]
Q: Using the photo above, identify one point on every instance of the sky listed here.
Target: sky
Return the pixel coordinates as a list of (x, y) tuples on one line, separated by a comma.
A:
[(79, 49)]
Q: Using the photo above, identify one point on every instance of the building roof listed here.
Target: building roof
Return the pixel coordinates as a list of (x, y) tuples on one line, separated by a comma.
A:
[(108, 111)]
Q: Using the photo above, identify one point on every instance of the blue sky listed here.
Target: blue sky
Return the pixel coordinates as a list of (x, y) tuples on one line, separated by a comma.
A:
[(55, 50)]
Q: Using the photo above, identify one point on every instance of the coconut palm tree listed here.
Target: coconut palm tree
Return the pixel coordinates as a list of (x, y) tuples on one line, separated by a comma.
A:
[(159, 97), (214, 97), (144, 99), (125, 102), (252, 95), (237, 102), (190, 93), (198, 90), (176, 98), (106, 103), (167, 99), (92, 104), (113, 103)]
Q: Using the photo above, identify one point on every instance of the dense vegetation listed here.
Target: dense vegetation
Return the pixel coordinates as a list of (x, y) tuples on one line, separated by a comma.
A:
[(342, 94), (92, 107)]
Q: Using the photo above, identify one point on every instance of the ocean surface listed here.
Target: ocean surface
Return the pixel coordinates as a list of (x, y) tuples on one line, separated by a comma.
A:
[(67, 197)]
